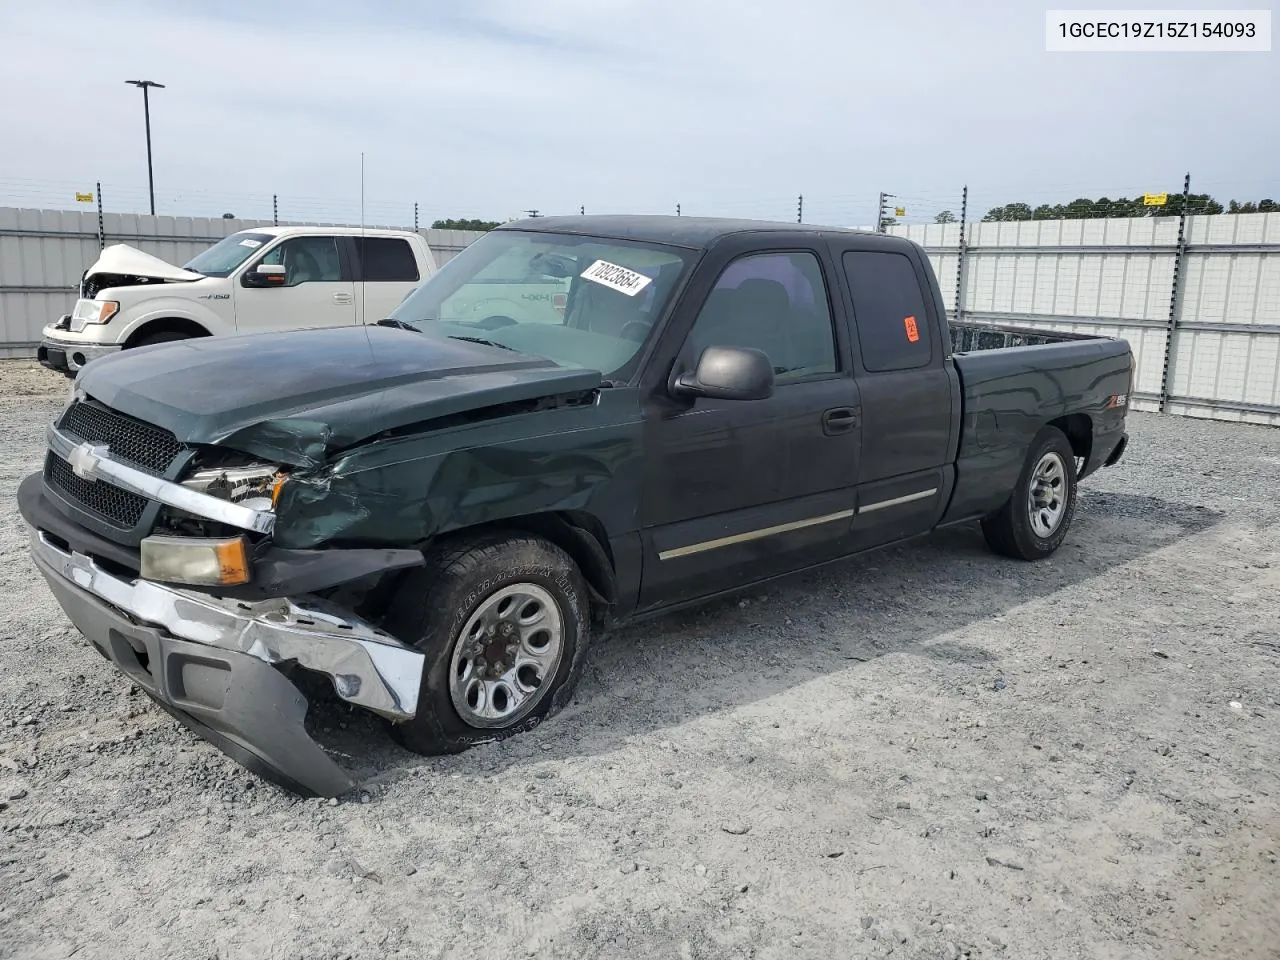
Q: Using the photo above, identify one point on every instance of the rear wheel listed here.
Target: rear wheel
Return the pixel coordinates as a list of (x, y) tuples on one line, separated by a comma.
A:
[(1034, 521), (503, 621)]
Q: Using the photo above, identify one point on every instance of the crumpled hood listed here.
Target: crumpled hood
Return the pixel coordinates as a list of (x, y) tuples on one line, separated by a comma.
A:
[(120, 259), (291, 396)]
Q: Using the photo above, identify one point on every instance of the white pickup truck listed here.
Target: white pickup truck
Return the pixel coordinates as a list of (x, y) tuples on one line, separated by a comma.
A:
[(266, 278)]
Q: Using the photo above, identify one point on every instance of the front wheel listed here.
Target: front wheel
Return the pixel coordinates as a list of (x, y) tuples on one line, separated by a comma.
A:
[(504, 622), (1034, 521), (168, 336)]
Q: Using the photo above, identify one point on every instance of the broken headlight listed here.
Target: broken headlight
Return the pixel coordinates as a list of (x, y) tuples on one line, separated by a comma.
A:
[(255, 485)]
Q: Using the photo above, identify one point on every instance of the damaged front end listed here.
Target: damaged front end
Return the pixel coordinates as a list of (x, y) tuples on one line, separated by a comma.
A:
[(211, 662), (212, 540), (121, 265), (215, 655)]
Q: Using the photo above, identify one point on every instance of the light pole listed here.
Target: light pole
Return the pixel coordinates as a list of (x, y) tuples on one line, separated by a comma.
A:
[(146, 110)]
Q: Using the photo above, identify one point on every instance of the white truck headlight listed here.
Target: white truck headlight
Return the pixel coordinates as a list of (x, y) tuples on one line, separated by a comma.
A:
[(92, 311), (212, 562)]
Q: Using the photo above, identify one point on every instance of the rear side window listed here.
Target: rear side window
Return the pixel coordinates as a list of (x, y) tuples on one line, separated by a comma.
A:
[(385, 259), (889, 311)]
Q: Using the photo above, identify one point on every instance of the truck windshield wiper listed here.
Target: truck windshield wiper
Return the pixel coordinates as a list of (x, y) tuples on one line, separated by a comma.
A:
[(398, 324), (482, 340)]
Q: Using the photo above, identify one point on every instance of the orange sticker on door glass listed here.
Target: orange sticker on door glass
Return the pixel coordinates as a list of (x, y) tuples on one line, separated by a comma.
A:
[(913, 331)]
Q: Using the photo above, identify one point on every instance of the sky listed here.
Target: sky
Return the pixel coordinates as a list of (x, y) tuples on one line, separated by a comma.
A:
[(489, 108)]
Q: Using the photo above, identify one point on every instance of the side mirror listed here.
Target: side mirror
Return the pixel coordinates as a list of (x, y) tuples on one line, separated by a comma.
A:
[(264, 275), (728, 373)]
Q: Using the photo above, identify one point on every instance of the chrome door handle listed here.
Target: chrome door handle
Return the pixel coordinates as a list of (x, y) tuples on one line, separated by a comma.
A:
[(342, 298)]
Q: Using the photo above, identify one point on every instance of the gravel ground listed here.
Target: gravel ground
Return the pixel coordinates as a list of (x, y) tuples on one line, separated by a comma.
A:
[(928, 752)]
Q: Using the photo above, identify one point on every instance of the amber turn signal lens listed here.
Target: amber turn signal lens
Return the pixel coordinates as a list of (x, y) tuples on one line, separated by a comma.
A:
[(233, 564), (209, 562), (276, 487)]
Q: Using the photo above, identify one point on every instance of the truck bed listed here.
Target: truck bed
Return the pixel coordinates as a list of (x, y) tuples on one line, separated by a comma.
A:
[(972, 337), (1014, 381)]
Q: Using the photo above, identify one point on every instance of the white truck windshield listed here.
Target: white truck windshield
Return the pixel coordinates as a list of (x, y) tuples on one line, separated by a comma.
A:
[(227, 254)]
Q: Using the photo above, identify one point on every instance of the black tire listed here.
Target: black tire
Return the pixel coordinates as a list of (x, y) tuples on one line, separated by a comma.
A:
[(168, 336), (435, 602), (1011, 531)]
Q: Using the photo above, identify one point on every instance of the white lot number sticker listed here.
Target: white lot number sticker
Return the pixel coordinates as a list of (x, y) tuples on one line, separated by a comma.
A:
[(251, 244), (616, 278)]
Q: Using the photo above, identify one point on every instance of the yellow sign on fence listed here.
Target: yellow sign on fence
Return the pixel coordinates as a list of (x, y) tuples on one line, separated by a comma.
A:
[(1155, 199), (899, 211), (84, 197)]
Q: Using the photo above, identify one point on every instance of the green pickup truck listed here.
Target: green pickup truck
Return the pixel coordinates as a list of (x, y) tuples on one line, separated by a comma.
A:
[(435, 513)]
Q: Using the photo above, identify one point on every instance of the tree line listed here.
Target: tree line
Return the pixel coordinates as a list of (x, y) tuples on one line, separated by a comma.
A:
[(481, 225), (1084, 208)]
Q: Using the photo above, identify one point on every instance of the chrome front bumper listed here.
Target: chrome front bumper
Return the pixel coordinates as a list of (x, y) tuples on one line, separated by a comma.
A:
[(368, 667), (74, 354)]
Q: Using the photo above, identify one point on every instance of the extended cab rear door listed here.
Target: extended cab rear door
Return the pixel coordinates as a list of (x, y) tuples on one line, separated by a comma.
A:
[(910, 397), (386, 269)]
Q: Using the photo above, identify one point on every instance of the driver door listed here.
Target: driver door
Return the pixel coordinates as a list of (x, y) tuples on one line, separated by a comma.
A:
[(317, 290), (736, 491)]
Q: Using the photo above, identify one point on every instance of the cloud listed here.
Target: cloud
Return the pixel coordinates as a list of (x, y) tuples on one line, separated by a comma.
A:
[(495, 106)]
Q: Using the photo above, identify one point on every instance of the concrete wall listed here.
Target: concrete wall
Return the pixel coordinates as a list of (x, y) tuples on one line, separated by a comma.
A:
[(1213, 351), (1216, 353), (44, 252)]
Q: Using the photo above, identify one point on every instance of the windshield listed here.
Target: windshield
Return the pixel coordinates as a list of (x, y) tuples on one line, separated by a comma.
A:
[(227, 254), (578, 301)]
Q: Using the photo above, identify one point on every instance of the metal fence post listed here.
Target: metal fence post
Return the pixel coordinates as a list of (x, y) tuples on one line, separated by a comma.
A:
[(960, 253), (275, 210), (102, 234), (882, 213), (1171, 328)]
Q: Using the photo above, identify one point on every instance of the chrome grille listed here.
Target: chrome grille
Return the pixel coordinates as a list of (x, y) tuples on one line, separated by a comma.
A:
[(120, 508), (145, 446)]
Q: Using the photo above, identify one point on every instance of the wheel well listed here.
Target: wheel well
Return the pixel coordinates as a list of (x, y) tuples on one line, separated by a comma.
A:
[(1079, 430), (165, 325), (578, 534)]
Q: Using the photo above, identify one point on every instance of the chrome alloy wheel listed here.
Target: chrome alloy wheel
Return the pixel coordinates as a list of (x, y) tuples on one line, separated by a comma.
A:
[(1047, 495), (506, 656)]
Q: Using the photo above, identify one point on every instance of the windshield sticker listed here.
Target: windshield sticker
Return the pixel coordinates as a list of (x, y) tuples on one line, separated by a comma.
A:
[(251, 244), (616, 278)]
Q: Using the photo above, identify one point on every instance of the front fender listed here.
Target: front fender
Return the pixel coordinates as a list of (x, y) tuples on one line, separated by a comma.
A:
[(404, 491), (164, 308)]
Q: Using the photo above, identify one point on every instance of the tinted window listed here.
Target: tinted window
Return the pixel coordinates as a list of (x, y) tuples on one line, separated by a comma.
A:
[(775, 302), (307, 260), (386, 258), (888, 309)]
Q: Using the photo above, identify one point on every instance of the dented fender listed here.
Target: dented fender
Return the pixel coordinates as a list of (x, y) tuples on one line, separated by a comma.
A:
[(404, 490)]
